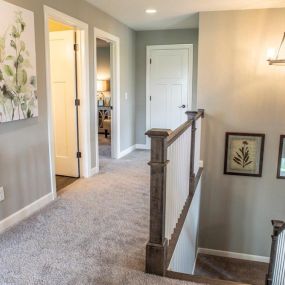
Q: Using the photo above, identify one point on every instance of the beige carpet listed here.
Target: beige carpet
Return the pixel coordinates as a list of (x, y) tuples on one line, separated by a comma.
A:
[(104, 146), (95, 233)]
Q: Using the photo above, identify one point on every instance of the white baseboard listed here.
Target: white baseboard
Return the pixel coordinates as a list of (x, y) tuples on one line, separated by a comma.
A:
[(236, 255), (94, 171), (25, 212), (126, 151), (142, 146)]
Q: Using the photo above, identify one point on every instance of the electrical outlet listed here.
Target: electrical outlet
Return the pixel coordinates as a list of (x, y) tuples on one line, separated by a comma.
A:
[(2, 196)]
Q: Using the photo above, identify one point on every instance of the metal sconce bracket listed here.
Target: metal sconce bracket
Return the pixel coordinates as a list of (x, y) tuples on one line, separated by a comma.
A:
[(277, 60)]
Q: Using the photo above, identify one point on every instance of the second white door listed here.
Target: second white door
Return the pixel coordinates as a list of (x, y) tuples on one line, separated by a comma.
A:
[(170, 85), (62, 59)]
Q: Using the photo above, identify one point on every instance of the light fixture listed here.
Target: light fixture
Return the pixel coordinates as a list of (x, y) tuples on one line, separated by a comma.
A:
[(151, 11), (273, 58), (103, 85)]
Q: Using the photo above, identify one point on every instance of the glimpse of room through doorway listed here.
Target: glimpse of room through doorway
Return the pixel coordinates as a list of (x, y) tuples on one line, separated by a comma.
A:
[(65, 104), (104, 98)]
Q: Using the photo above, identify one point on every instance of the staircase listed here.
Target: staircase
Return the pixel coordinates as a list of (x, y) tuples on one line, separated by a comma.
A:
[(175, 193), (276, 273)]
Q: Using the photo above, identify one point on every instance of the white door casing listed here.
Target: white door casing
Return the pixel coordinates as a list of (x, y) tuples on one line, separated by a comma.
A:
[(62, 58), (115, 87), (169, 85), (84, 92)]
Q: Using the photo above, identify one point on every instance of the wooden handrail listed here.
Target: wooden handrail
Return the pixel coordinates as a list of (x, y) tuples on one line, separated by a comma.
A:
[(156, 250), (178, 132)]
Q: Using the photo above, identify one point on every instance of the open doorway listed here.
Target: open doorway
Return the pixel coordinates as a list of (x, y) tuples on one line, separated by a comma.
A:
[(107, 103), (104, 98), (63, 46), (79, 147)]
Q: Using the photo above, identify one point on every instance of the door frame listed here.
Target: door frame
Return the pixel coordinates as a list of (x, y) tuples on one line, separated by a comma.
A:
[(190, 81), (84, 111), (115, 89)]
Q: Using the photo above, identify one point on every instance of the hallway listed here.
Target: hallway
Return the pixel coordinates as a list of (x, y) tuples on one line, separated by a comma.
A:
[(95, 233)]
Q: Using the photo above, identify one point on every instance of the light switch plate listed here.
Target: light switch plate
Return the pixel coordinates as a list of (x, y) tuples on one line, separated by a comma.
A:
[(2, 195), (126, 96)]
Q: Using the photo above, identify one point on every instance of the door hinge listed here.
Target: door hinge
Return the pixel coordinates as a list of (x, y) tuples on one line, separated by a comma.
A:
[(76, 47), (79, 154), (77, 102), (149, 98), (150, 61)]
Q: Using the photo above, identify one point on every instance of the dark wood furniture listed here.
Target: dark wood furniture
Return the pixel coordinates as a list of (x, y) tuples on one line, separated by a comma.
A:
[(104, 113)]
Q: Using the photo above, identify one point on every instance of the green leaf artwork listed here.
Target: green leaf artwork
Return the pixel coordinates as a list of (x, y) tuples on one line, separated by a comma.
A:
[(242, 156), (18, 99)]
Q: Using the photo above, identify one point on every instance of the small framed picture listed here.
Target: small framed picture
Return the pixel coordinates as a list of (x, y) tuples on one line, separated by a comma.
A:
[(281, 159), (100, 103), (244, 154)]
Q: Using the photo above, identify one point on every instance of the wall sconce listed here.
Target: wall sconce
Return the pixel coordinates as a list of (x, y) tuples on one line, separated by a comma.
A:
[(275, 60)]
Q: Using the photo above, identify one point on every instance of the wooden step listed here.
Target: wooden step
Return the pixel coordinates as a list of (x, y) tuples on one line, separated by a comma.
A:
[(200, 279)]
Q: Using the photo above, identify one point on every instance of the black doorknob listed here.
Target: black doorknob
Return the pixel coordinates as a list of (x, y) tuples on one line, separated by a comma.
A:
[(182, 106)]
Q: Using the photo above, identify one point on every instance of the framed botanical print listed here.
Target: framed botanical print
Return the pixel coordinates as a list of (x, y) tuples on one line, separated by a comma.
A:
[(281, 159), (18, 76), (244, 154)]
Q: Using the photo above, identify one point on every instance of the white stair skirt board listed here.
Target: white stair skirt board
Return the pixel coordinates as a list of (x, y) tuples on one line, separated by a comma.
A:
[(194, 267), (126, 151), (236, 255), (25, 212), (142, 146)]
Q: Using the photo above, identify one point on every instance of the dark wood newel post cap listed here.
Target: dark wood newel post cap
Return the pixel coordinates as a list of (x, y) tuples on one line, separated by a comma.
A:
[(158, 133), (202, 111), (191, 115)]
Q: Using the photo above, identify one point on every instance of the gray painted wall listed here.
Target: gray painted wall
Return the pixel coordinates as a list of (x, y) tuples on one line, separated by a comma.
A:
[(24, 164), (103, 63), (242, 93), (144, 39)]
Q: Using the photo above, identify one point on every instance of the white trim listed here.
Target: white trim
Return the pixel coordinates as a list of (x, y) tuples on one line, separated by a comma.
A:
[(142, 146), (94, 171), (116, 115), (127, 151), (84, 112), (25, 212), (236, 255), (190, 83), (195, 261)]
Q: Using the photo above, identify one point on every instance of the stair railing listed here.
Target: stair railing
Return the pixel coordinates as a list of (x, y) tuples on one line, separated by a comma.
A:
[(276, 272), (175, 174)]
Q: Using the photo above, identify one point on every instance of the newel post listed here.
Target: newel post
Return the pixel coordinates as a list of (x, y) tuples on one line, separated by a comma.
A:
[(276, 227), (192, 115), (157, 245)]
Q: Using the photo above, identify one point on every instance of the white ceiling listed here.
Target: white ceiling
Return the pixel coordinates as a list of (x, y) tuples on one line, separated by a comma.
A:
[(173, 14)]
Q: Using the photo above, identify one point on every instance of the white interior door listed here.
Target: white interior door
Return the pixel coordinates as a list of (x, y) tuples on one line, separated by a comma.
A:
[(169, 86), (62, 59)]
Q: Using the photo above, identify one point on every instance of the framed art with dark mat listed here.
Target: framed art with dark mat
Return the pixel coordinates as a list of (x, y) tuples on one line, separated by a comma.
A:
[(244, 154), (281, 158)]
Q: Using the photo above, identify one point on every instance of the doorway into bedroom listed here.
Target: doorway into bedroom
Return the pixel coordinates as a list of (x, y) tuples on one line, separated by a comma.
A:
[(104, 98), (64, 93)]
